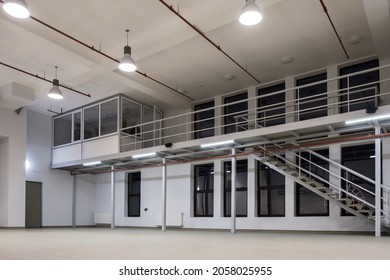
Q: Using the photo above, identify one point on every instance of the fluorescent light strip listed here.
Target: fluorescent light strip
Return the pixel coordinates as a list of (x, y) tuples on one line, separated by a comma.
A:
[(217, 144), (144, 155), (92, 163), (373, 156), (373, 118)]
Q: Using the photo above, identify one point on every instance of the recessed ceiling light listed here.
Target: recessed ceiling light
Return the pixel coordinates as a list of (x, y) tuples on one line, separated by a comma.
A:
[(286, 59), (229, 77)]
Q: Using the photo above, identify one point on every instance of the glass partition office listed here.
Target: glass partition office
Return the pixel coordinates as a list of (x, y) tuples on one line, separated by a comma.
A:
[(117, 115)]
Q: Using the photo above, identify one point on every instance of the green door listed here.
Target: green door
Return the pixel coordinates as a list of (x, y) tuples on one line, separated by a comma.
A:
[(33, 204)]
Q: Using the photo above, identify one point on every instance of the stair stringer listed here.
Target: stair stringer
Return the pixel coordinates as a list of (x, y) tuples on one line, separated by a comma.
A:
[(311, 188)]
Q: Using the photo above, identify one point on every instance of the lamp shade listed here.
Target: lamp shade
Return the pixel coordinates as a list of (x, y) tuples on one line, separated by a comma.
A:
[(127, 63), (250, 14), (55, 91), (16, 8)]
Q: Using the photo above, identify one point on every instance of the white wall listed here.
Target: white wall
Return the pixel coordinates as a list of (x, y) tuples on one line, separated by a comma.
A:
[(12, 183), (57, 185), (180, 202)]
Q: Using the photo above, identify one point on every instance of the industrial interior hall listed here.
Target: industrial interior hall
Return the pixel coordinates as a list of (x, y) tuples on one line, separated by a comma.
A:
[(256, 117)]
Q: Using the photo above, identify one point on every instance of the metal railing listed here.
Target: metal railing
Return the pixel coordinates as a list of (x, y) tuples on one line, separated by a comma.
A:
[(336, 177), (184, 127)]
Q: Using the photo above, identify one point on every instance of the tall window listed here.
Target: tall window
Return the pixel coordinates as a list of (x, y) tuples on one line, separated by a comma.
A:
[(270, 192), (361, 159), (360, 89), (204, 120), (309, 203), (236, 115), (312, 99), (134, 194), (271, 108), (241, 188), (204, 190)]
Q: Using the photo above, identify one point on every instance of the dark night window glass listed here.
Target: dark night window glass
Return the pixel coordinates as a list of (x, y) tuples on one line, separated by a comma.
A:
[(204, 190), (241, 188), (360, 89), (134, 194), (360, 159), (204, 120), (309, 203), (236, 115), (271, 108), (312, 99), (270, 192)]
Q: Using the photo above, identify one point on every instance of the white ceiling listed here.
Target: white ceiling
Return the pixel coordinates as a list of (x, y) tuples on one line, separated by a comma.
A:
[(170, 51)]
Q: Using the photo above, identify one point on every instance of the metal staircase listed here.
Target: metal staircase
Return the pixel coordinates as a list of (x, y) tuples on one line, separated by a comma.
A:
[(354, 198)]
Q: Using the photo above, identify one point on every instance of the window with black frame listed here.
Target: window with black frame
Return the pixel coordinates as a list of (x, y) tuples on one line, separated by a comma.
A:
[(309, 203), (271, 108), (204, 120), (357, 92), (236, 115), (204, 190), (361, 159), (270, 192), (134, 194), (241, 188), (312, 99)]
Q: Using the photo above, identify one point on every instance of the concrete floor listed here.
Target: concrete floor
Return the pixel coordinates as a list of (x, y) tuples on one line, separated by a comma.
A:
[(152, 244)]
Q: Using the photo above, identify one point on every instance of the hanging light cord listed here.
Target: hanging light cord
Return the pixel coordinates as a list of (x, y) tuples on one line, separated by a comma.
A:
[(42, 78), (208, 39), (127, 35)]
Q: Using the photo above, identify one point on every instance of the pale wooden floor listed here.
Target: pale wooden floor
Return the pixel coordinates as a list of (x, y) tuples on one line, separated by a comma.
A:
[(144, 244)]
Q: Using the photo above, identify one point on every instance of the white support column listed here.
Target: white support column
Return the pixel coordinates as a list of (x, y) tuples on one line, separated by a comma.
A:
[(112, 197), (233, 193), (74, 201), (164, 197), (378, 173)]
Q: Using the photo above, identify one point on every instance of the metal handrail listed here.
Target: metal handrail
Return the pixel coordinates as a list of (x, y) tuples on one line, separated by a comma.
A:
[(331, 185)]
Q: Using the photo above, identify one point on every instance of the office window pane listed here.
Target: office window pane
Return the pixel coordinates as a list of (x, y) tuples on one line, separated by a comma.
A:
[(147, 129), (204, 120), (271, 108), (204, 190), (241, 188), (63, 130), (236, 115), (312, 99), (109, 117), (77, 126), (91, 122), (131, 117)]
